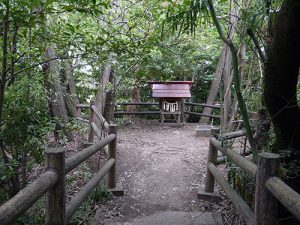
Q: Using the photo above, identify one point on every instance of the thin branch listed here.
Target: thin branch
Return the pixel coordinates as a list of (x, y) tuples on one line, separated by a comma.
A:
[(236, 80), (217, 24), (5, 45), (255, 41), (46, 61), (13, 61)]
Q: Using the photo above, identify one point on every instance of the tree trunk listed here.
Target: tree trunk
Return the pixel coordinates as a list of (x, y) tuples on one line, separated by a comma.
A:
[(280, 90), (5, 30), (236, 80), (223, 69), (70, 93), (242, 64), (135, 98), (57, 103), (214, 87), (227, 78), (101, 95), (281, 76)]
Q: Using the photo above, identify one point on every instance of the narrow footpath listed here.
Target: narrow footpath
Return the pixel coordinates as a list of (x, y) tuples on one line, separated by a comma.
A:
[(160, 168)]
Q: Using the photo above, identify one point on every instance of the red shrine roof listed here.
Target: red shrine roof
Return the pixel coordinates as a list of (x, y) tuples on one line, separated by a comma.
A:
[(171, 89)]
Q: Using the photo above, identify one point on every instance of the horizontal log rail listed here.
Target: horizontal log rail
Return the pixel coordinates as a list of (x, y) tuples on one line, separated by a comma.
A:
[(203, 105), (52, 182), (249, 167), (100, 117), (82, 195), (75, 160), (78, 109), (269, 188), (82, 120), (136, 113), (243, 208), (98, 125), (85, 106), (156, 112), (96, 130), (24, 199), (202, 114), (285, 195), (137, 103), (231, 135)]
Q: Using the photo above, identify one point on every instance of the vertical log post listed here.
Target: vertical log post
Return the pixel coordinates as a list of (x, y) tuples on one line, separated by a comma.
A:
[(182, 110), (78, 109), (210, 180), (265, 202), (112, 112), (222, 119), (112, 150), (55, 197), (91, 120)]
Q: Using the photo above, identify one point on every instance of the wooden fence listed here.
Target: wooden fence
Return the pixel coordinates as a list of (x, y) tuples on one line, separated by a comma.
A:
[(52, 181), (270, 189), (193, 105), (124, 112), (188, 109)]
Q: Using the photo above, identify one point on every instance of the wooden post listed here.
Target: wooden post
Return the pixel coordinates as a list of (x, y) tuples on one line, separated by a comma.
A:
[(78, 112), (182, 110), (55, 197), (78, 109), (212, 157), (215, 131), (91, 119), (222, 122), (265, 202), (112, 150), (112, 114)]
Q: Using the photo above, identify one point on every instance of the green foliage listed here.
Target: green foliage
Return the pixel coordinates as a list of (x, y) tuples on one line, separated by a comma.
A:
[(101, 193), (34, 216), (290, 167), (26, 120), (241, 182), (85, 211), (30, 220)]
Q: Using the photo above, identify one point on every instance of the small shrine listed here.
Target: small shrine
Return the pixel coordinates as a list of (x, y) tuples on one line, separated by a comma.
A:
[(172, 95)]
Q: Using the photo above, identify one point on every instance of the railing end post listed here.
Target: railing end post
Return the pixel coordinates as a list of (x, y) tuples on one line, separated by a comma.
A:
[(112, 129), (91, 120), (55, 197), (207, 192), (112, 154), (265, 203), (115, 187)]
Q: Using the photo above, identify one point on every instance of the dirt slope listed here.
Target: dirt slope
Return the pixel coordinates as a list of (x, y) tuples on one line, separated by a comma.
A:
[(160, 168)]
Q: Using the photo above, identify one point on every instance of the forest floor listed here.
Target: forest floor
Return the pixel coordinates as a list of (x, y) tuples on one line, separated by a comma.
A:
[(160, 168)]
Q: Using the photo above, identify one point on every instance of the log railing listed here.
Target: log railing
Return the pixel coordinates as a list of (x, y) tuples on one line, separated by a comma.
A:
[(124, 112), (203, 105), (52, 182), (270, 189), (188, 104), (98, 124), (190, 109), (79, 107)]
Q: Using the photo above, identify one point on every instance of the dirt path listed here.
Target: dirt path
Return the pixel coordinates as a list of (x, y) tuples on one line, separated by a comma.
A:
[(160, 168)]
